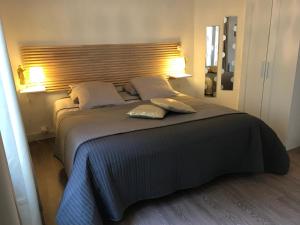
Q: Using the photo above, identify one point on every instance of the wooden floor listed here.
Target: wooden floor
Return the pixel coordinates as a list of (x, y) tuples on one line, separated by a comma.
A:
[(253, 200)]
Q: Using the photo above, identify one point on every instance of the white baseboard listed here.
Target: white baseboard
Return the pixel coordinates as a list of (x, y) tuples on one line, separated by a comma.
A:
[(39, 136)]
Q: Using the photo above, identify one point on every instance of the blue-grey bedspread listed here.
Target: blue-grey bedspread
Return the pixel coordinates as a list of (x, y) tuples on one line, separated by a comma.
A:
[(111, 173)]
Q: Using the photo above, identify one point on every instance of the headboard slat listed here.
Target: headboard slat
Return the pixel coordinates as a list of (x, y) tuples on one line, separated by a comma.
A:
[(117, 63)]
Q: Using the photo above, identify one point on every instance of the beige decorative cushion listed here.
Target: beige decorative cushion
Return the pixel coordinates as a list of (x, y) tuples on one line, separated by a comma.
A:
[(96, 94), (173, 105), (152, 87), (148, 111)]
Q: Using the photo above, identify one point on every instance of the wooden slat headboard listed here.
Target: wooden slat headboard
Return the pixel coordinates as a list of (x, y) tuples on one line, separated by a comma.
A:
[(116, 63)]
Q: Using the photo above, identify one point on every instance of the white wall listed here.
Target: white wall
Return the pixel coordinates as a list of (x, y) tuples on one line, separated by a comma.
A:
[(87, 22), (208, 13)]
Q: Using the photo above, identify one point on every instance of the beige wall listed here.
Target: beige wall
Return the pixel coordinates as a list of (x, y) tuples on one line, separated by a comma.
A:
[(208, 13), (115, 21), (90, 21)]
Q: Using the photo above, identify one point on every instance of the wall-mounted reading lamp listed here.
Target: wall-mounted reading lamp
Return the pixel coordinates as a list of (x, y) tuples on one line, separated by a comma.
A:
[(177, 68), (33, 81)]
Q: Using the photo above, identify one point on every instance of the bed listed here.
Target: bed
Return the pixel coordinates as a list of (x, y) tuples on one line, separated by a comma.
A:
[(114, 161)]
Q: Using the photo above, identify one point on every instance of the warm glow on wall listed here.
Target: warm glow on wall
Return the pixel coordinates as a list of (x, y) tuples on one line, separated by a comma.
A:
[(36, 75)]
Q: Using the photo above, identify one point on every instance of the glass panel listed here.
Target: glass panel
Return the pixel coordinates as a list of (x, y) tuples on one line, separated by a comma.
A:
[(211, 60), (228, 55)]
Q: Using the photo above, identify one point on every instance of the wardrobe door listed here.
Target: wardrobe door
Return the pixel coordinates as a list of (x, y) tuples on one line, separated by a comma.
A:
[(273, 58), (283, 55), (260, 13)]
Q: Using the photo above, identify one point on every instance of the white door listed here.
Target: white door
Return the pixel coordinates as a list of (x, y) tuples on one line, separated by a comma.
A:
[(283, 54), (270, 61), (260, 16)]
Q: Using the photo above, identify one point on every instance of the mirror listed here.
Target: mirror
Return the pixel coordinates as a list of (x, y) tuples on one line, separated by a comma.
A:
[(211, 60), (228, 54)]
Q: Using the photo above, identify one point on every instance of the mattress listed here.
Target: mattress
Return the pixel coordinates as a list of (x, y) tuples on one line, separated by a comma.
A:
[(62, 106)]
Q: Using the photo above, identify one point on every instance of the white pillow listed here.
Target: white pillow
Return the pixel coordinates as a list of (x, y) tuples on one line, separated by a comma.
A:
[(147, 111), (74, 87), (173, 105), (152, 87), (73, 94), (95, 94)]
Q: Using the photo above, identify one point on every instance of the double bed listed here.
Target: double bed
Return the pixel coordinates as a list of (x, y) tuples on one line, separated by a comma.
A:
[(113, 160)]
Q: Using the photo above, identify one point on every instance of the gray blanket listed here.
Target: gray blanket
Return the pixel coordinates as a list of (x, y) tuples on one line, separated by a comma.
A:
[(75, 128), (151, 159)]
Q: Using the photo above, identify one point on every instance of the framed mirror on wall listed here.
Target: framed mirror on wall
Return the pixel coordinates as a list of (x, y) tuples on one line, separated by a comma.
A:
[(211, 60), (229, 52)]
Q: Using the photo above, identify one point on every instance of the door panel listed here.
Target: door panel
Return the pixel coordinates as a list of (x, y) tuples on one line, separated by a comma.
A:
[(257, 54), (271, 57), (283, 55)]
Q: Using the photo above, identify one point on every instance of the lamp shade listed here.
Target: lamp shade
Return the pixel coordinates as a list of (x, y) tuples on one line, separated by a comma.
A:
[(177, 66), (36, 75)]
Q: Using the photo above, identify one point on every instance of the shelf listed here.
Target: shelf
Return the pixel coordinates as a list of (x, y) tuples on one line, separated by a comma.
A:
[(177, 76), (33, 89)]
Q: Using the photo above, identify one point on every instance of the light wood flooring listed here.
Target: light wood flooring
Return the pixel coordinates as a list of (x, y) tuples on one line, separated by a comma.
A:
[(263, 199)]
